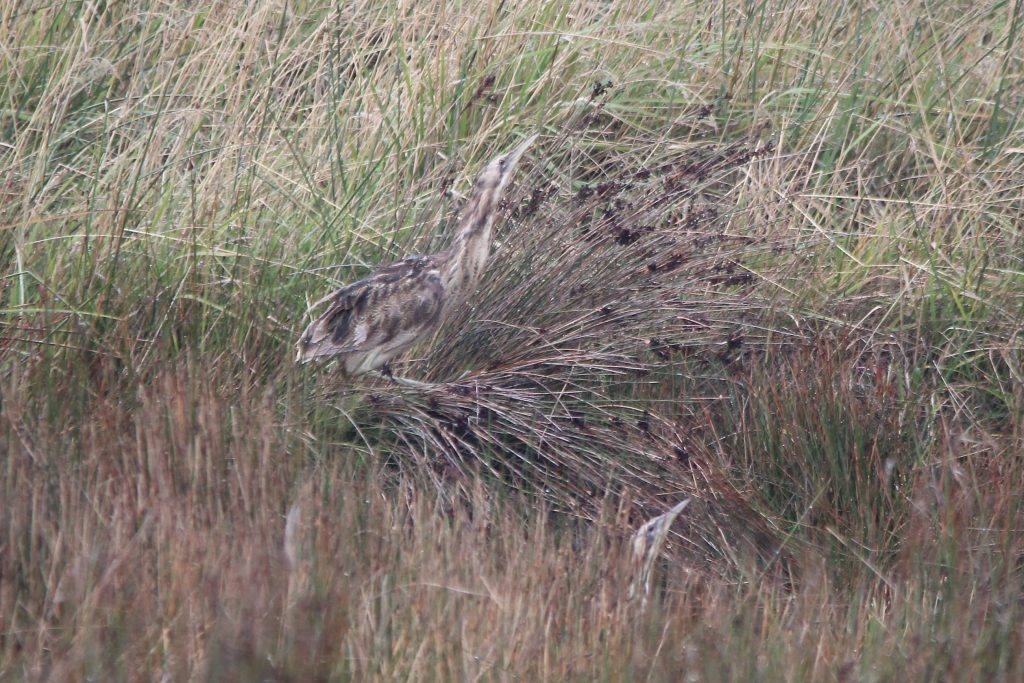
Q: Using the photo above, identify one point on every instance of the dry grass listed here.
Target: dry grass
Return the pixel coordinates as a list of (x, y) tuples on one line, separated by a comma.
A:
[(766, 257)]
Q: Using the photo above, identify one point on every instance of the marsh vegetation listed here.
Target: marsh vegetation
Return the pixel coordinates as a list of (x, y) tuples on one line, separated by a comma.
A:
[(767, 256)]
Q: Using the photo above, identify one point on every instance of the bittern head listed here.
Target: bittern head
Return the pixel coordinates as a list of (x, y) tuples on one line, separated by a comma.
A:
[(497, 173)]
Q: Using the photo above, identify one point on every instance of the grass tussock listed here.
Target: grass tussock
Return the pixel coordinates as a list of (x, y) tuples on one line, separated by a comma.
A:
[(764, 257)]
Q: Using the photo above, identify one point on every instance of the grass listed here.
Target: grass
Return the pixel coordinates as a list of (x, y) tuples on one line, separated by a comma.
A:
[(765, 256)]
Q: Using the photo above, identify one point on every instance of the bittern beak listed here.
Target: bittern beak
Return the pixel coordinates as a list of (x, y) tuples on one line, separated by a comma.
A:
[(511, 158)]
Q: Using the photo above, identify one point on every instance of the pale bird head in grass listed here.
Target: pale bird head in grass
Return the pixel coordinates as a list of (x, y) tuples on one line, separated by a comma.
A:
[(372, 321), (648, 541)]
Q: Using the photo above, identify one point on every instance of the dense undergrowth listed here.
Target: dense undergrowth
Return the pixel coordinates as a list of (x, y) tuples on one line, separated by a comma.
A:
[(766, 256)]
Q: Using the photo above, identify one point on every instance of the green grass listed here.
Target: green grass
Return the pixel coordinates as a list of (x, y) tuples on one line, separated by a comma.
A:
[(764, 255)]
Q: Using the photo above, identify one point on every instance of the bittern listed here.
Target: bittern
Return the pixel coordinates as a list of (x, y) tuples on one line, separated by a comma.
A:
[(374, 320)]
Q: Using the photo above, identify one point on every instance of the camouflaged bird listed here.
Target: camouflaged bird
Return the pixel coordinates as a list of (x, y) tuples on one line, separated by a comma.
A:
[(374, 320)]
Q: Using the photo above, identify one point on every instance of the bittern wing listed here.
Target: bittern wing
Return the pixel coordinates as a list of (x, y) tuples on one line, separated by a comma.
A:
[(389, 310)]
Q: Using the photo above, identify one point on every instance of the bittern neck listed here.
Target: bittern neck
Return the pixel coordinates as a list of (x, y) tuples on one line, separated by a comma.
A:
[(467, 255)]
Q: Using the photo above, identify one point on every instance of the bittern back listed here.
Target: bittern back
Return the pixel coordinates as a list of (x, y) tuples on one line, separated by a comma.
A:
[(372, 321)]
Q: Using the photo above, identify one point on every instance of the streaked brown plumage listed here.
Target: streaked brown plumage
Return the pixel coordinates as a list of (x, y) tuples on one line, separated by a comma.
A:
[(376, 319)]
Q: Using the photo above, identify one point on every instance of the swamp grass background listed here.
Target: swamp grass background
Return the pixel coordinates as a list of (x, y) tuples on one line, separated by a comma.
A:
[(765, 255)]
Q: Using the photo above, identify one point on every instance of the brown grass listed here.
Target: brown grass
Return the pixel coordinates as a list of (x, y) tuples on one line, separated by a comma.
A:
[(199, 535)]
